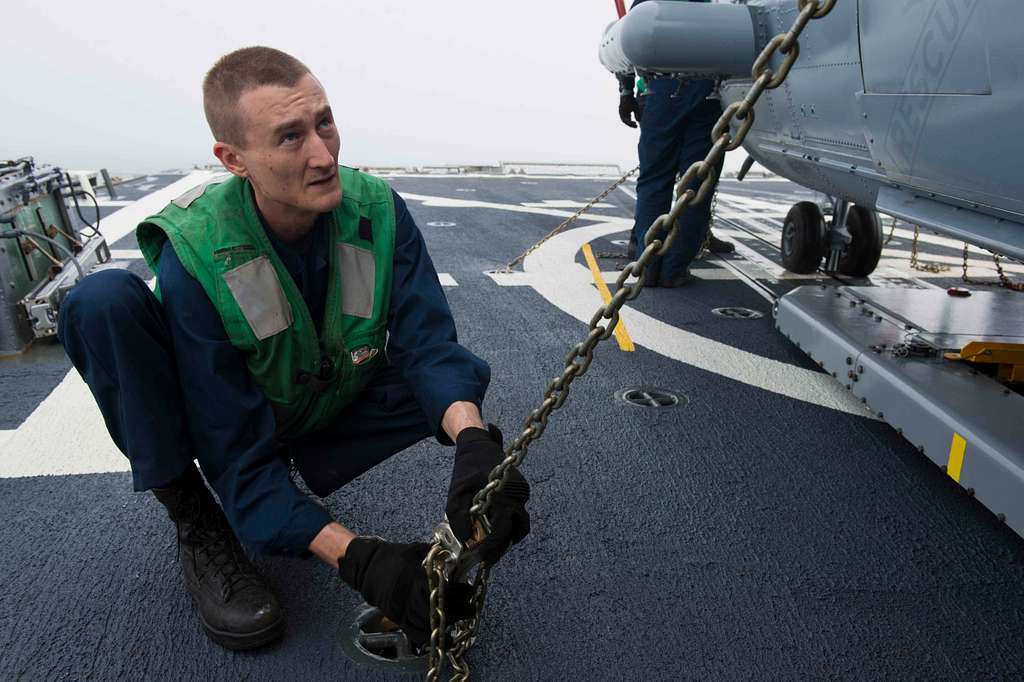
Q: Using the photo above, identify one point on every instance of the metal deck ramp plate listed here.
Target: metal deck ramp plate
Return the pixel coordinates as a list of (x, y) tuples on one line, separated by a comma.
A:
[(888, 345)]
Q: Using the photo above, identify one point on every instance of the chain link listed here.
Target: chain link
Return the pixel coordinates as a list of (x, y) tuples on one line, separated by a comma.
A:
[(930, 266), (464, 639), (582, 354), (434, 565), (705, 246), (917, 264), (568, 221), (1004, 280), (892, 231)]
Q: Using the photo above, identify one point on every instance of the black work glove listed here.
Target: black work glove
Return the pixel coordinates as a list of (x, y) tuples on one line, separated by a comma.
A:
[(477, 452), (629, 106), (391, 577)]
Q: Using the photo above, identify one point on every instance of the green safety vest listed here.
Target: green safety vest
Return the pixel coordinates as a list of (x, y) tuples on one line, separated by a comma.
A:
[(217, 234)]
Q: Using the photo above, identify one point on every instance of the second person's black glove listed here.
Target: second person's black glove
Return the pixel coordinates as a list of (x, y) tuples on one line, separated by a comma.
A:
[(477, 452), (629, 107)]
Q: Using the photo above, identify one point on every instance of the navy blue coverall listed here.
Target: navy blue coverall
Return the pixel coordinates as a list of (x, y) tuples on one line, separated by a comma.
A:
[(172, 388), (675, 130)]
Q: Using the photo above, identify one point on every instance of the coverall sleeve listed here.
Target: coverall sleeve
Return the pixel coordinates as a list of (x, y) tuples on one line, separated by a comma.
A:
[(232, 425), (422, 341)]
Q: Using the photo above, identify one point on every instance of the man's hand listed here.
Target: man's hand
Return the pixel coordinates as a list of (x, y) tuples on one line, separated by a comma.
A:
[(391, 577), (477, 452), (628, 106)]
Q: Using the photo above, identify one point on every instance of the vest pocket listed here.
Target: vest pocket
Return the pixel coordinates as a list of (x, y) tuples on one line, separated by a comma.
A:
[(258, 293), (358, 271)]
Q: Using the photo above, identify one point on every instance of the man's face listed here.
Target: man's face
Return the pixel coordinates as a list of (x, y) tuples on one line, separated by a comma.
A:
[(291, 147)]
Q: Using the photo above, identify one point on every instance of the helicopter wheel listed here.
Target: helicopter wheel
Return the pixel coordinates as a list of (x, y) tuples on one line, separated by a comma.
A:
[(860, 257), (803, 238)]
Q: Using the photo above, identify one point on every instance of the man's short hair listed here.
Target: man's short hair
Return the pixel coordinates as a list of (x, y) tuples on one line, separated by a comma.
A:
[(236, 72)]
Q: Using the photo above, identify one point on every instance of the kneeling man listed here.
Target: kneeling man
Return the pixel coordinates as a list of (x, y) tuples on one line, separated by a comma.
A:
[(298, 325)]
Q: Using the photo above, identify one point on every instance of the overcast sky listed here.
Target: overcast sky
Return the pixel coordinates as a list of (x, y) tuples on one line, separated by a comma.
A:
[(117, 84)]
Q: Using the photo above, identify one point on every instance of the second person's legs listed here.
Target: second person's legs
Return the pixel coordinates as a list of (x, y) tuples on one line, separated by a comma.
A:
[(695, 143), (658, 151)]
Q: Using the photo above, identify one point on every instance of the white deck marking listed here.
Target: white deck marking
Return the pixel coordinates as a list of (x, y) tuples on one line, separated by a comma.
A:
[(498, 178), (64, 435), (448, 202), (563, 203), (114, 202), (758, 206), (510, 279), (126, 254), (124, 222), (446, 280)]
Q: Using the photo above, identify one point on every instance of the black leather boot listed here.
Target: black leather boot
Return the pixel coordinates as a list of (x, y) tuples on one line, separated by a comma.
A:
[(719, 246), (236, 607)]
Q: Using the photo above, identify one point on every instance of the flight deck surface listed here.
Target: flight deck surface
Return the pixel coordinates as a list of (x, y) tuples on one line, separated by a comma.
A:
[(766, 527)]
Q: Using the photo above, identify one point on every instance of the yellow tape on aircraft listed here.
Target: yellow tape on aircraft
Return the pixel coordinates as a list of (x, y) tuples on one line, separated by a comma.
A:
[(955, 464)]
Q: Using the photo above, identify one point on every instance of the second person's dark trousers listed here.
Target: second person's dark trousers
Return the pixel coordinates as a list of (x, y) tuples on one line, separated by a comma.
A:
[(675, 131)]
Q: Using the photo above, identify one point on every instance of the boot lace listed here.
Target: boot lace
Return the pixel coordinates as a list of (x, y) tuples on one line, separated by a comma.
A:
[(226, 561), (215, 549)]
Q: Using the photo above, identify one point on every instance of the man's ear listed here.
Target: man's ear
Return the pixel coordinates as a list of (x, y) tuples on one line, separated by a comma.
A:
[(230, 158)]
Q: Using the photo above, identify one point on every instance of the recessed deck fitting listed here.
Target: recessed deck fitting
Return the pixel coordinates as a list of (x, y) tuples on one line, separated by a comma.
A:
[(650, 397), (737, 313), (373, 641)]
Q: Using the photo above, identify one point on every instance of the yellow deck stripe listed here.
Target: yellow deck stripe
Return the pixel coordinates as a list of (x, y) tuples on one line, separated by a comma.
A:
[(621, 335), (956, 457)]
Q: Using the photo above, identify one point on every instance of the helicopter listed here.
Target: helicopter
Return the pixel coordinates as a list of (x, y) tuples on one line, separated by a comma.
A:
[(891, 107), (905, 109)]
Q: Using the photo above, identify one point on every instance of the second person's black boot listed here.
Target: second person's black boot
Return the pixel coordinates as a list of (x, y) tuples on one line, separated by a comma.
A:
[(236, 607)]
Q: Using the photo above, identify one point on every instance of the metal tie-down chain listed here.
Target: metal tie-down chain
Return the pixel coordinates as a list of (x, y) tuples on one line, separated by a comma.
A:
[(929, 266), (443, 560), (892, 231), (1004, 281), (568, 221), (922, 266), (705, 246)]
